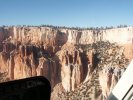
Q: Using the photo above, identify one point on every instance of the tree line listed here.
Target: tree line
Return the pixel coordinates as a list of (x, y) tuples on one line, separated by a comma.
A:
[(65, 27)]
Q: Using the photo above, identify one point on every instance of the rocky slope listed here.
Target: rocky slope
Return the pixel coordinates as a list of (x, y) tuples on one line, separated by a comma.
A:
[(80, 64), (103, 73)]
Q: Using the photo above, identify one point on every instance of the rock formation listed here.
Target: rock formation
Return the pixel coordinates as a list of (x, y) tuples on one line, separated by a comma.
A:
[(72, 68), (80, 64), (104, 71)]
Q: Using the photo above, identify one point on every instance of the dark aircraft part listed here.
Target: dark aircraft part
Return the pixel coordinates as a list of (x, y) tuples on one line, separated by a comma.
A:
[(34, 88)]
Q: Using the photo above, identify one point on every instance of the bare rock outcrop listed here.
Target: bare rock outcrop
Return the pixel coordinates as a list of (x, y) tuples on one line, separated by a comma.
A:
[(71, 67), (109, 78), (28, 60), (106, 65), (58, 89), (34, 61)]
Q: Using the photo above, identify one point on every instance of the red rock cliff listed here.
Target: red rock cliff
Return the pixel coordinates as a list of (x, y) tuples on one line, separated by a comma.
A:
[(70, 59)]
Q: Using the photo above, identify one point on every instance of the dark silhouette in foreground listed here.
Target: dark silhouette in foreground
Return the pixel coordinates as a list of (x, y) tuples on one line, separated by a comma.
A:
[(34, 88)]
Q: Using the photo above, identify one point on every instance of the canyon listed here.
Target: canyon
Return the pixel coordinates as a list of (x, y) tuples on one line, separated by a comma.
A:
[(81, 64)]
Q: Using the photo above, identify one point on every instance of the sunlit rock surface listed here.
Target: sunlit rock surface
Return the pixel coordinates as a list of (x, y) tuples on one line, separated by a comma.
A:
[(80, 64)]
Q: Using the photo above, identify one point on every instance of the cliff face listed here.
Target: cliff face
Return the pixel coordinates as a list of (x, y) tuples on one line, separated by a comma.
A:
[(71, 66), (105, 65), (72, 60), (122, 36), (118, 35), (29, 61), (51, 36)]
